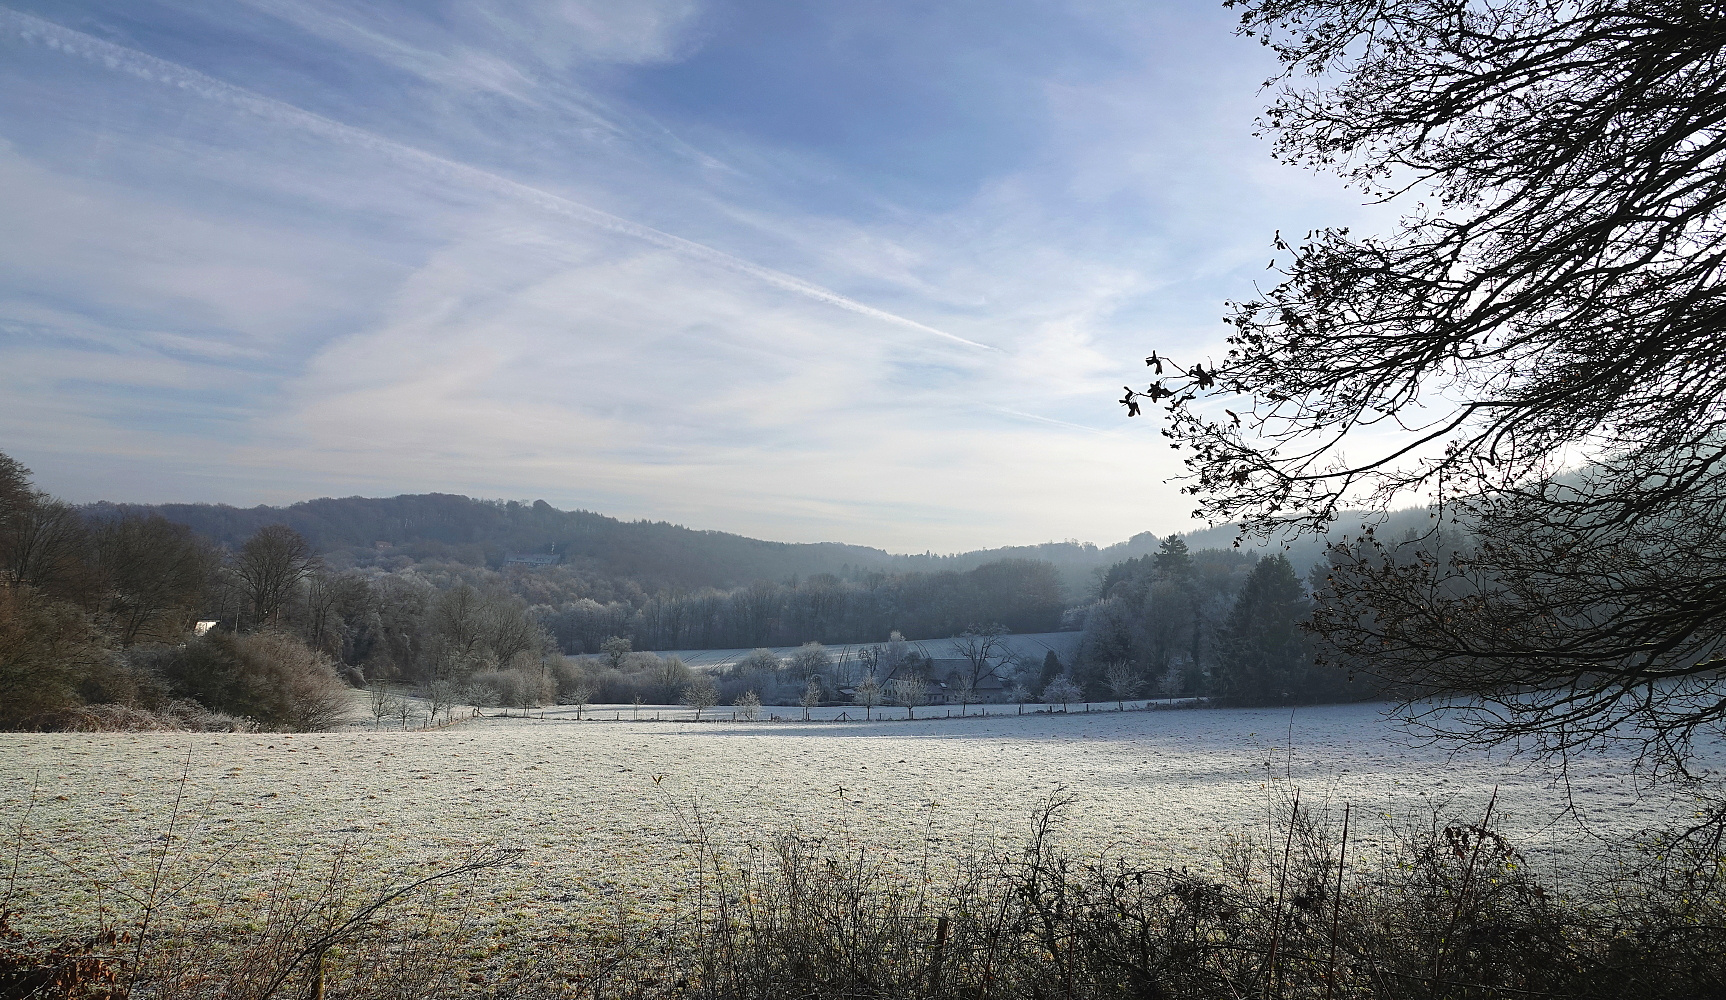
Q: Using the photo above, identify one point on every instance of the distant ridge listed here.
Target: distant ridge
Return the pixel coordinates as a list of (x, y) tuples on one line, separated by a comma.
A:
[(657, 554)]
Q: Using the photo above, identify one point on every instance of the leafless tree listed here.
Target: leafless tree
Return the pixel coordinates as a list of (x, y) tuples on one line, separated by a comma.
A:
[(42, 545), (154, 572), (581, 692), (869, 659), (509, 632), (479, 696), (811, 695), (533, 687), (1553, 303), (700, 694), (759, 661), (269, 568), (883, 661), (381, 701), (984, 649), (336, 605), (1063, 690), (672, 675), (1122, 681), (911, 690), (441, 694), (17, 492), (1174, 680), (868, 694), (810, 659), (615, 649), (748, 705), (964, 689)]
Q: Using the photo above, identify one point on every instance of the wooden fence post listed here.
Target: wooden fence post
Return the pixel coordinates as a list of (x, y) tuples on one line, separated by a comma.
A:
[(940, 954)]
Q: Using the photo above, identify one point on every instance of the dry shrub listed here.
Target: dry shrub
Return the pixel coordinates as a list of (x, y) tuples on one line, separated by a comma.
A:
[(1449, 911), (521, 688), (47, 649), (270, 677), (175, 715), (309, 696), (338, 930), (72, 970)]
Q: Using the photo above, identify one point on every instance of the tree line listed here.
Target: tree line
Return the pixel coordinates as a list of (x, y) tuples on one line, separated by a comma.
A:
[(100, 605), (1022, 594), (606, 557), (1215, 623), (150, 621)]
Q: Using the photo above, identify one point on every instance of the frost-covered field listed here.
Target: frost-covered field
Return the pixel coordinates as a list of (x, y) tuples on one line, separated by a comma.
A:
[(602, 807)]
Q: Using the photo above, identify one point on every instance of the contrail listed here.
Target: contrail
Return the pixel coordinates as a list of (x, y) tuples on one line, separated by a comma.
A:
[(35, 30)]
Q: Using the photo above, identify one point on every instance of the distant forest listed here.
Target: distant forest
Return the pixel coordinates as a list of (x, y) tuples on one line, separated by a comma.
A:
[(661, 585), (427, 591), (629, 557)]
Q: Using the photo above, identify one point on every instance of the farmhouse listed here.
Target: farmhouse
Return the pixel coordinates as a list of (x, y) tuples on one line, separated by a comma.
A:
[(947, 673)]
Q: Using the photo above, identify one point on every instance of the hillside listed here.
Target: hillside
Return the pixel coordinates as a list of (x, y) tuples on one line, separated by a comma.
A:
[(1308, 549), (655, 554)]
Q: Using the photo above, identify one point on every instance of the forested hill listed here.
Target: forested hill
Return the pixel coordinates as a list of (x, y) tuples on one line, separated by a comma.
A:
[(1305, 550), (656, 554)]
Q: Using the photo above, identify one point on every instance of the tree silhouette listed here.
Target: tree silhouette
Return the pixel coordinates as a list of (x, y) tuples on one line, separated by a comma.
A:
[(1265, 656), (269, 568), (1535, 351)]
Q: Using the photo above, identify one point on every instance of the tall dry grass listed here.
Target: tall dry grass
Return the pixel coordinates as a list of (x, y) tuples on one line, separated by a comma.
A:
[(1450, 909)]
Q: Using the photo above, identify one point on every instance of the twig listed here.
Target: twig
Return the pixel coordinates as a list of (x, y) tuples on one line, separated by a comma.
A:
[(1462, 894), (940, 954), (317, 947), (1336, 911), (18, 838), (1282, 882), (154, 899)]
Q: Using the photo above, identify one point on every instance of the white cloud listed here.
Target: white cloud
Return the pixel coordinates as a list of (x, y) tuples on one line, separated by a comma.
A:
[(258, 303)]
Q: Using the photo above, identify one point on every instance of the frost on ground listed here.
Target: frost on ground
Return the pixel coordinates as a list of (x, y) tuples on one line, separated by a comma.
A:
[(605, 809)]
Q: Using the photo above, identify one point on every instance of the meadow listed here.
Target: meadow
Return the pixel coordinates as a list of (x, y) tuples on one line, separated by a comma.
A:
[(605, 811)]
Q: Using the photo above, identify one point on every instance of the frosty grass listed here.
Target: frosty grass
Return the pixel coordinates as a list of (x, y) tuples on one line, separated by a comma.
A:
[(605, 810)]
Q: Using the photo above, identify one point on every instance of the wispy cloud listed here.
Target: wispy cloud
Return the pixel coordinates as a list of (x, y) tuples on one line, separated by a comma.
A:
[(568, 250), (157, 71)]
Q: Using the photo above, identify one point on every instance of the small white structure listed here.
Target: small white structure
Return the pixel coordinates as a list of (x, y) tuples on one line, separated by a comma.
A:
[(201, 627)]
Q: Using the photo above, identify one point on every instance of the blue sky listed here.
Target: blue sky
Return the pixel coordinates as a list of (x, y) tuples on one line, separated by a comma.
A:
[(816, 271)]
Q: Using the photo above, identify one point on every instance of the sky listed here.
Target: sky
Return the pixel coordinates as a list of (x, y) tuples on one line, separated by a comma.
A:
[(821, 271)]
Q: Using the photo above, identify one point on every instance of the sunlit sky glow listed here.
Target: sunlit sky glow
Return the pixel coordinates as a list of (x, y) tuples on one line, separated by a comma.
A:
[(856, 272)]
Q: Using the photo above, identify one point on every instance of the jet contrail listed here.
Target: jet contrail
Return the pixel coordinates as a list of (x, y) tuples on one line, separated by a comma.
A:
[(35, 30)]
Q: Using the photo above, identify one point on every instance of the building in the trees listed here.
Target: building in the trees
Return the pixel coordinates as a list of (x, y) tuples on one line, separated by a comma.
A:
[(946, 674)]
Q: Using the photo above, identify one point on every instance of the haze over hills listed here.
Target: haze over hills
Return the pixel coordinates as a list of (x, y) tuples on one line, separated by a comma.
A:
[(655, 553)]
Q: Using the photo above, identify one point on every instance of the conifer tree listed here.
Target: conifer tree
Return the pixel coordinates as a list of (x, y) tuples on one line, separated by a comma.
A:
[(1265, 658)]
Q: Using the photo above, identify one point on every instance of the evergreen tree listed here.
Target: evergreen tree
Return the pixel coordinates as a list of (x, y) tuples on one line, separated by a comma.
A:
[(1174, 565), (1264, 657), (1172, 558), (1052, 669)]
